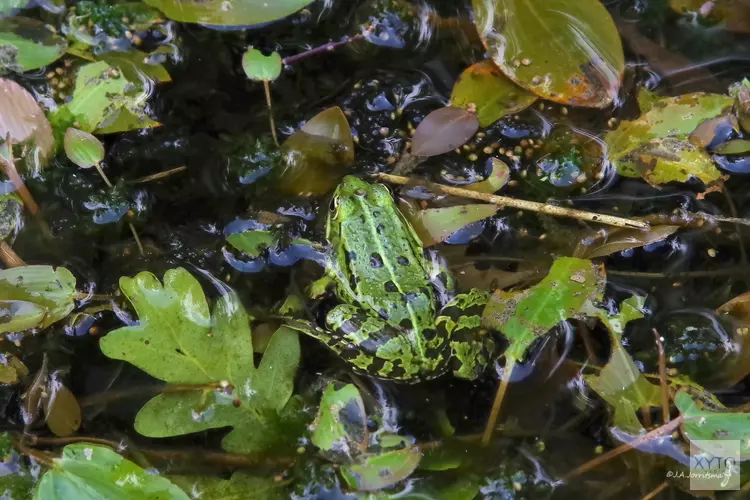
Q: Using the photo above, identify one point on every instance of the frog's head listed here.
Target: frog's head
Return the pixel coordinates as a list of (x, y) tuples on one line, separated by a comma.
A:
[(353, 194)]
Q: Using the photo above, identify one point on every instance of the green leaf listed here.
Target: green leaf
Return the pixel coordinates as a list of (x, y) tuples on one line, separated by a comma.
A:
[(524, 316), (733, 147), (435, 225), (35, 287), (27, 44), (178, 341), (632, 148), (23, 119), (227, 12), (383, 470), (669, 160), (619, 239), (253, 243), (620, 383), (91, 472), (444, 130), (126, 118), (567, 52), (135, 64), (705, 425), (259, 67), (340, 429), (8, 6), (239, 487), (486, 89), (82, 148)]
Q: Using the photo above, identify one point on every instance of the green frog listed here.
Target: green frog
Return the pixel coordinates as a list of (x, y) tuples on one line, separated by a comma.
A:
[(389, 323)]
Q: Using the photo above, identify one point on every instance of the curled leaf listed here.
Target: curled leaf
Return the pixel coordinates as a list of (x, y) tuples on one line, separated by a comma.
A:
[(82, 148), (484, 88), (498, 178), (444, 130)]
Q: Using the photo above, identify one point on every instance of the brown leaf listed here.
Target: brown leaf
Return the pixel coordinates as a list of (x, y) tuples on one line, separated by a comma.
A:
[(22, 118), (444, 130), (602, 243)]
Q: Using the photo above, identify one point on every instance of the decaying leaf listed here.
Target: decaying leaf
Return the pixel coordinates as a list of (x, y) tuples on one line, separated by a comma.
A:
[(444, 130), (568, 52), (702, 426)]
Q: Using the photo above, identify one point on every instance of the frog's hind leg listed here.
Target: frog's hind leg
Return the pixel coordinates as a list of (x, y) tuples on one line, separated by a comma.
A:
[(472, 347)]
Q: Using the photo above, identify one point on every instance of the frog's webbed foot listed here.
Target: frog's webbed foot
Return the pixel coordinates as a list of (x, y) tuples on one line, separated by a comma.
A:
[(472, 347)]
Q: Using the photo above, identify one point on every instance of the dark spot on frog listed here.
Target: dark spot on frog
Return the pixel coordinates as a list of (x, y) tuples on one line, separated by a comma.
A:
[(410, 297), (429, 333), (397, 371), (349, 352), (384, 314), (406, 324), (179, 351), (391, 287), (376, 260), (402, 261), (380, 228), (353, 282)]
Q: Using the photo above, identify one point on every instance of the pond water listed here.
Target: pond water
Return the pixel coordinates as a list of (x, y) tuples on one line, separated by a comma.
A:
[(235, 230)]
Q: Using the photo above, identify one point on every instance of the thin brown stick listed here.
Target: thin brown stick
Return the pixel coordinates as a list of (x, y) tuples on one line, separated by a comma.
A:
[(327, 47), (653, 493), (269, 105), (159, 176), (137, 238), (729, 271), (104, 176), (498, 402), (9, 166), (601, 459), (662, 376), (8, 257), (504, 201)]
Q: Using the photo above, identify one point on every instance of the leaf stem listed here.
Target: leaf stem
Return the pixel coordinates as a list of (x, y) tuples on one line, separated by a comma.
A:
[(655, 492), (137, 238), (327, 47), (159, 176), (662, 376), (8, 257), (504, 201), (498, 402), (269, 104), (104, 176)]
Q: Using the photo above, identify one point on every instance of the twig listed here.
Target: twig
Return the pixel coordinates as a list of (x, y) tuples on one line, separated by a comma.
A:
[(159, 176), (9, 257), (272, 122), (601, 459), (729, 271), (137, 238), (328, 47), (653, 493), (498, 402), (9, 166), (662, 377), (104, 176), (504, 201)]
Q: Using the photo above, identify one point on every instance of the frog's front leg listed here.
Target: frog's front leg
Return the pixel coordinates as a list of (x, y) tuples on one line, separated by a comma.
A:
[(472, 347), (375, 347)]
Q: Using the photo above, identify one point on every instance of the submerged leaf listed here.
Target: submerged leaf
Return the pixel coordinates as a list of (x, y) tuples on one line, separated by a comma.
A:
[(89, 471), (563, 51), (484, 88), (27, 44), (253, 243), (444, 130), (383, 470), (239, 487), (524, 316), (61, 408), (28, 290), (178, 341), (702, 425), (227, 12), (435, 225), (82, 148), (260, 67), (620, 239), (733, 147), (340, 429)]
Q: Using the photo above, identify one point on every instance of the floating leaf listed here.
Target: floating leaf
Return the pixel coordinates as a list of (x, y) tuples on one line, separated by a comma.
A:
[(497, 179), (38, 287), (675, 117), (227, 12), (27, 44), (317, 156), (124, 119), (444, 130), (340, 429), (620, 383), (260, 67), (178, 341), (669, 160), (239, 487), (435, 225), (253, 243), (382, 470), (620, 239), (23, 119), (135, 64), (82, 148), (733, 147), (89, 471), (12, 370), (524, 316), (567, 52), (484, 88), (704, 425)]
